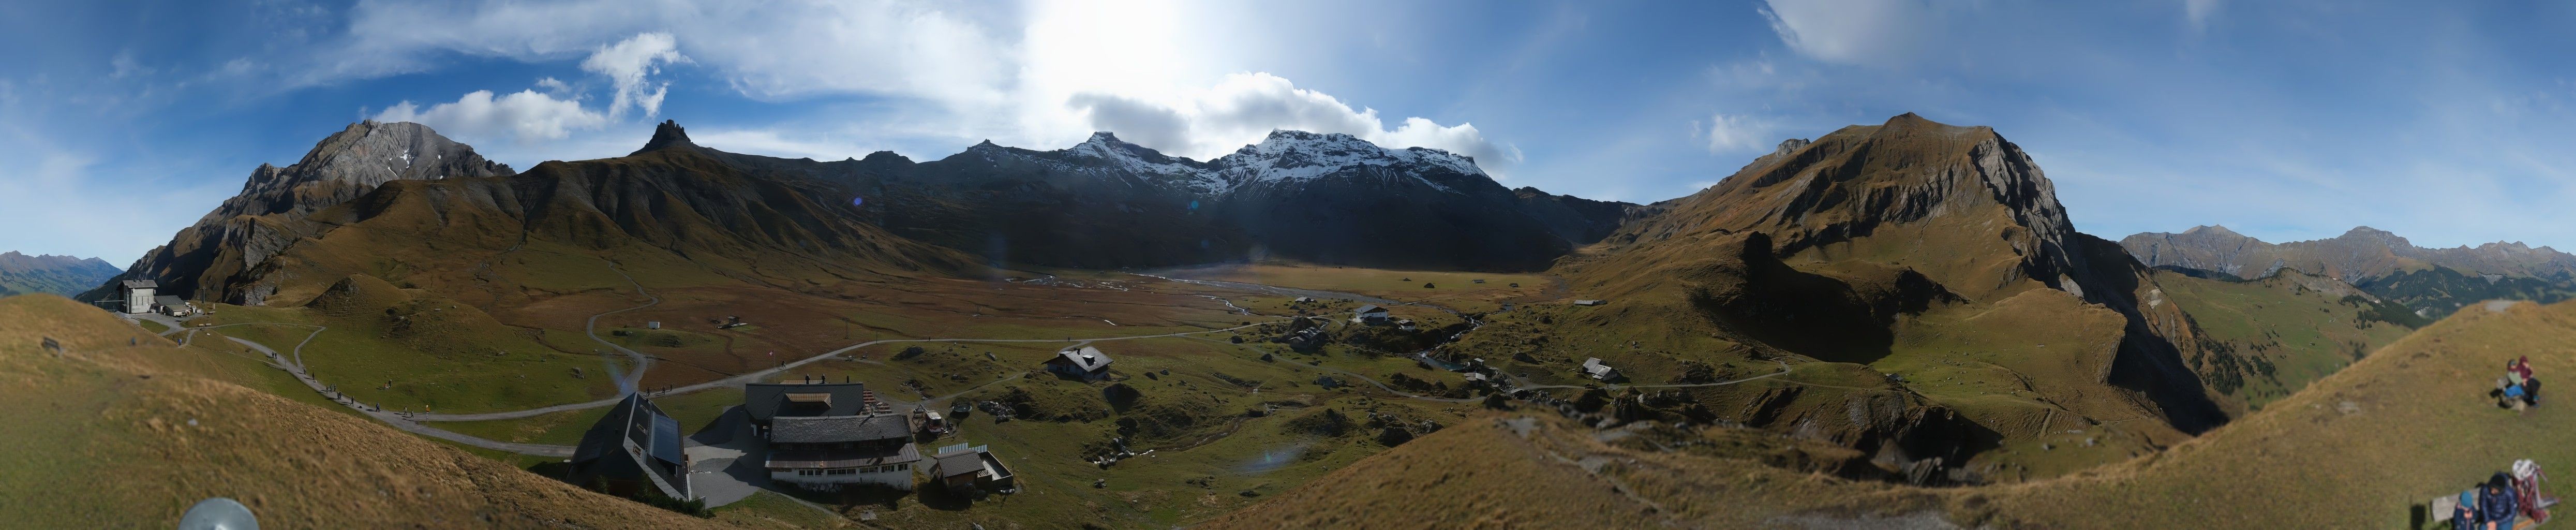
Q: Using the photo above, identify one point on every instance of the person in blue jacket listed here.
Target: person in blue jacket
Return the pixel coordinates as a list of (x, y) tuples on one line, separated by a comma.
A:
[(2496, 505), (2465, 515)]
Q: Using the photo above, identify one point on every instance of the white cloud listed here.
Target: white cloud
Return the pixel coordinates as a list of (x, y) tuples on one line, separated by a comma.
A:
[(1041, 75), (67, 192), (1870, 32), (554, 86), (1732, 133), (2199, 12), (1244, 108), (525, 116), (627, 64)]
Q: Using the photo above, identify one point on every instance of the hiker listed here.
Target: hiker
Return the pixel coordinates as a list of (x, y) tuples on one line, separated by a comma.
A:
[(2496, 506), (2520, 371), (2513, 391)]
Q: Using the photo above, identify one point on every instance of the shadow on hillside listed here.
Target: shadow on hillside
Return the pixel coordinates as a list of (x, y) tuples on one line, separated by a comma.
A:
[(1820, 316)]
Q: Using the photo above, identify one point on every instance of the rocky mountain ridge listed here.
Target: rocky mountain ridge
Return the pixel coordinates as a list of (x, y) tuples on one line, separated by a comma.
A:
[(2432, 281), (270, 213), (1905, 253), (397, 200), (2360, 254), (1106, 203)]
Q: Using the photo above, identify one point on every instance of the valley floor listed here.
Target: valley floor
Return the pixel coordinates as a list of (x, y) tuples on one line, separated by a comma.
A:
[(1226, 418)]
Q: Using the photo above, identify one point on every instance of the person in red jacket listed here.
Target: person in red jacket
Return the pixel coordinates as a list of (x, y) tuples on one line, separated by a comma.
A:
[(2521, 368)]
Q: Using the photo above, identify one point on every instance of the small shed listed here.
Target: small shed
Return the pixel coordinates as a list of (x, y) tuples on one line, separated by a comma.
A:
[(1370, 314), (1088, 363), (1593, 368), (1590, 302), (172, 305), (960, 468)]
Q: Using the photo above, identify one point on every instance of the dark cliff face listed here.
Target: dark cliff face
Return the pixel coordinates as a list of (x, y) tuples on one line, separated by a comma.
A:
[(207, 261)]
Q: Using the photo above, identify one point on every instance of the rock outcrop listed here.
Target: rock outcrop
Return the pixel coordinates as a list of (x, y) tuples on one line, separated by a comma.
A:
[(214, 259)]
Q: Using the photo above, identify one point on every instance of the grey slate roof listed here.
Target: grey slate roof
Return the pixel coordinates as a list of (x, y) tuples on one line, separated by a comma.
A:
[(954, 463), (1593, 367), (834, 429), (763, 401), (636, 420), (1371, 308), (1086, 359), (170, 301), (141, 284)]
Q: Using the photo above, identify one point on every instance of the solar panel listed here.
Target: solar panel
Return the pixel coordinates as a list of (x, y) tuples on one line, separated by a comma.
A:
[(666, 439)]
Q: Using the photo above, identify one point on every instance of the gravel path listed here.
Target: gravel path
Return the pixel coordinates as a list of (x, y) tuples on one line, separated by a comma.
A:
[(293, 363)]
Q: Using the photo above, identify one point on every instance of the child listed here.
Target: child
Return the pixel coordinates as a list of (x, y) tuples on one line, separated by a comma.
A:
[(2464, 516)]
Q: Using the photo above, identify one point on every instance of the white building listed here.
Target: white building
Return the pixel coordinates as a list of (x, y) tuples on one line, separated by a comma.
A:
[(138, 295), (1369, 314), (1088, 363), (1593, 368), (866, 449)]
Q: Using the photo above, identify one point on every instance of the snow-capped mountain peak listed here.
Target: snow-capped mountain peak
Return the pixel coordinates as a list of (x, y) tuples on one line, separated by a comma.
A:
[(1299, 155)]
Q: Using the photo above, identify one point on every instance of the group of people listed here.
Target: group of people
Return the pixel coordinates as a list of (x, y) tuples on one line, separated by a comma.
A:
[(2503, 500), (2517, 390)]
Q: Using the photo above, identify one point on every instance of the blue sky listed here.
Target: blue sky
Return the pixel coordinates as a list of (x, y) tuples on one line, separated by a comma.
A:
[(2449, 122)]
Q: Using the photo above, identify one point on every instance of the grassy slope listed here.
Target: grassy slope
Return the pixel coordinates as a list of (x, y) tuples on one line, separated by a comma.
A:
[(2300, 334), (2355, 450), (109, 410), (1456, 290)]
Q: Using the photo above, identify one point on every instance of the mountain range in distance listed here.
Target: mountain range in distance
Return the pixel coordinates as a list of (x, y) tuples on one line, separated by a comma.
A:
[(63, 275), (1104, 203), (2430, 281)]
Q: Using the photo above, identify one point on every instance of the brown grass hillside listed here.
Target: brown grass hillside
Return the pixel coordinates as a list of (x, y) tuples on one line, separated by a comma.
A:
[(2357, 449), (112, 435)]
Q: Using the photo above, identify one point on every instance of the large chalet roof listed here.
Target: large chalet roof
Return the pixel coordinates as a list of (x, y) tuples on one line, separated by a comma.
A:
[(763, 401), (836, 429)]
